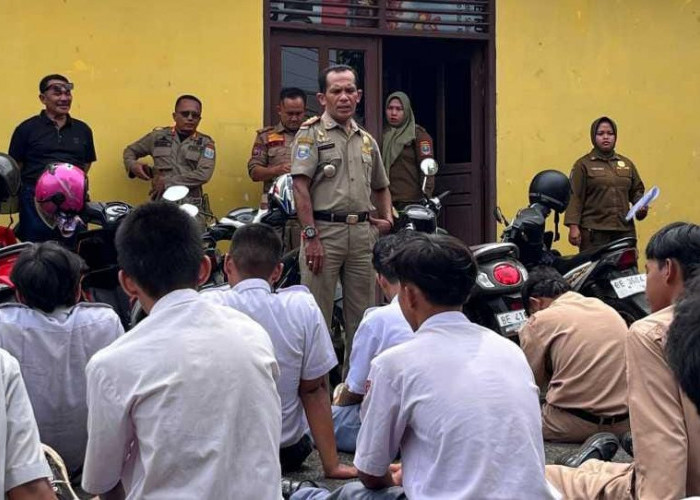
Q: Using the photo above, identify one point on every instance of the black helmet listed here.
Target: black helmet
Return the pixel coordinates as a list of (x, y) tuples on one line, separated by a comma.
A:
[(551, 188), (9, 184)]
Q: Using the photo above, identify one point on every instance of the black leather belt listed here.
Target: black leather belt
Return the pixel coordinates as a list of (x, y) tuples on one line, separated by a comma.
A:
[(350, 218), (595, 419)]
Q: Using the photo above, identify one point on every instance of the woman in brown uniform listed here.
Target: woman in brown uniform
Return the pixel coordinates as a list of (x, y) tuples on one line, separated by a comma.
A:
[(603, 185), (404, 145)]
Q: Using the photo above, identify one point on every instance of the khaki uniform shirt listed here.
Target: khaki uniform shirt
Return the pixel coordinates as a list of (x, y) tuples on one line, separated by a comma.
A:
[(577, 345), (405, 176), (272, 147), (665, 423), (344, 167), (601, 192), (187, 163)]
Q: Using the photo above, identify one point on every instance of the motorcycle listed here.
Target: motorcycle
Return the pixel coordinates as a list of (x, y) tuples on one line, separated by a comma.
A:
[(495, 300), (609, 273)]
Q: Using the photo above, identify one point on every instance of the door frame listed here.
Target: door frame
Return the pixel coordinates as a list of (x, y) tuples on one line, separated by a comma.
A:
[(370, 45)]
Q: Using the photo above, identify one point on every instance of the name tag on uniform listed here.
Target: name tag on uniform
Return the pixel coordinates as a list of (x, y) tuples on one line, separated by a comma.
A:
[(326, 145), (163, 142)]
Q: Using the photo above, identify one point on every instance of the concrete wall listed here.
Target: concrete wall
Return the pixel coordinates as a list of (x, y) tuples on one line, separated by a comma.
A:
[(563, 63), (129, 61)]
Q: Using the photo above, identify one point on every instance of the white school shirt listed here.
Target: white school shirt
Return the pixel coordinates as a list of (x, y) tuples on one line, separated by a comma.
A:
[(53, 350), (184, 406), (21, 457), (461, 404), (381, 328), (303, 346)]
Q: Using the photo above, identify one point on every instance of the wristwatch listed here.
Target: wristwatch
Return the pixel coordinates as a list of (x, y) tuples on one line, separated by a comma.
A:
[(309, 232)]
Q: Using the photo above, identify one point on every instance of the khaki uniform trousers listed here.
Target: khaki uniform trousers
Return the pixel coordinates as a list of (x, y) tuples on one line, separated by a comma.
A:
[(291, 239), (595, 238), (594, 480), (563, 427), (348, 256)]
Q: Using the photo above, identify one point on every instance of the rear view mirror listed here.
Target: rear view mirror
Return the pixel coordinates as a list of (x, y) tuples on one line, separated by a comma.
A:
[(175, 193), (429, 167)]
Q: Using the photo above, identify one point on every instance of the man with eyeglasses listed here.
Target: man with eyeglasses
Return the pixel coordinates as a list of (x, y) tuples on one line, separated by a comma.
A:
[(49, 137), (181, 156)]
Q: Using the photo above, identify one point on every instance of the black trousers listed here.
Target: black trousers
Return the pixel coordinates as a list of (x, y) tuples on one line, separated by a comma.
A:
[(291, 457)]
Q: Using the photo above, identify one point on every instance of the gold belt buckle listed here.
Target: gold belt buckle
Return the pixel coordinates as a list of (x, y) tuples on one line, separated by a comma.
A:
[(352, 219)]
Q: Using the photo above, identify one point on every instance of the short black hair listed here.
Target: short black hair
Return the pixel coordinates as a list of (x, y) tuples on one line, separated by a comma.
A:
[(256, 249), (543, 281), (441, 266), (44, 82), (334, 68), (679, 241), (383, 251), (160, 247), (47, 276), (188, 97), (683, 342), (292, 93)]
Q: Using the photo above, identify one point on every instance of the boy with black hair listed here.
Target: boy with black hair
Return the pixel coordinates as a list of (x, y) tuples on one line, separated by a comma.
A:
[(683, 344), (575, 346), (301, 340), (53, 336), (664, 422), (458, 401), (380, 329), (185, 405)]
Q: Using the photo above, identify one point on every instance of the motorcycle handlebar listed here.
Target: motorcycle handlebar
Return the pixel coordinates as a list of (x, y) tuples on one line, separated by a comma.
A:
[(444, 195)]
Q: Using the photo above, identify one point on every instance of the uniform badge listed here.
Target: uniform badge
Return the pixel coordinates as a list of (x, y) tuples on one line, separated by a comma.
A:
[(621, 163), (257, 150), (209, 153), (304, 140), (425, 148), (303, 152)]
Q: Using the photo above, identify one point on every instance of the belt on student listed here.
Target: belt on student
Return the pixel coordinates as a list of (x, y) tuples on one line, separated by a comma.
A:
[(596, 419), (350, 218)]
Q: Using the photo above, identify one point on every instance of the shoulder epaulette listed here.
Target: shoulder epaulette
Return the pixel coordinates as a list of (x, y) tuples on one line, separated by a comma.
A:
[(310, 121), (265, 129)]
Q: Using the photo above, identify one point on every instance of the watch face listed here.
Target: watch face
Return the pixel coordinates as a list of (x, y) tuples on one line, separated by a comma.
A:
[(309, 232)]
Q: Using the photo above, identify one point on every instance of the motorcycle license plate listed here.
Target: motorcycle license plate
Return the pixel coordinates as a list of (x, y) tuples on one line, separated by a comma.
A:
[(629, 285), (512, 320)]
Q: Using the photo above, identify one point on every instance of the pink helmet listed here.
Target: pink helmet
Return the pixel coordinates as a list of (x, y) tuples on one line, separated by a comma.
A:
[(60, 191)]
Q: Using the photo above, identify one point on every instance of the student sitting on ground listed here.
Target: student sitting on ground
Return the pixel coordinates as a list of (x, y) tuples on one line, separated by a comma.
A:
[(303, 346), (380, 328), (458, 402), (53, 336), (575, 346), (184, 405)]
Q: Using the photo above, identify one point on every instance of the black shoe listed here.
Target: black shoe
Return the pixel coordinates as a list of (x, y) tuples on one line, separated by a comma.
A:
[(626, 443), (60, 481), (290, 487), (602, 446)]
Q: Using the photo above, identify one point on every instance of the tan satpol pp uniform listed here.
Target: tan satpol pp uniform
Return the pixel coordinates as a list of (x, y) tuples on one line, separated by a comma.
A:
[(405, 176), (344, 168), (601, 193), (189, 162), (273, 147), (576, 349), (665, 430)]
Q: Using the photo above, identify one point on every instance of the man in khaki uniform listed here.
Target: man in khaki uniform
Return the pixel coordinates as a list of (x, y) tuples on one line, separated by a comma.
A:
[(272, 152), (181, 155), (665, 423), (575, 346), (337, 168)]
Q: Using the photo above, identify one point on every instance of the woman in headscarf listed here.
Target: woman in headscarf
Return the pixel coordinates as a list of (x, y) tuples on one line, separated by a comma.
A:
[(404, 145), (604, 184)]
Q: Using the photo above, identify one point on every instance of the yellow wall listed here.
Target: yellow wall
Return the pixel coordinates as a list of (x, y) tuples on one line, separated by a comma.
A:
[(129, 61), (561, 64)]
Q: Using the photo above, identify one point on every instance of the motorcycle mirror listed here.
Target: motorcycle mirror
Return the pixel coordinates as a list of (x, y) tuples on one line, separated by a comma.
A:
[(429, 167), (175, 193), (498, 214), (190, 209)]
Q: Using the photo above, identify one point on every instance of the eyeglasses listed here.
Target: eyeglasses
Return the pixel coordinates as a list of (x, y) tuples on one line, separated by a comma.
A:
[(59, 89), (190, 114)]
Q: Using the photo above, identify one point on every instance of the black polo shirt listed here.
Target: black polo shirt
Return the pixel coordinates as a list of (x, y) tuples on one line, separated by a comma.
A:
[(37, 142)]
